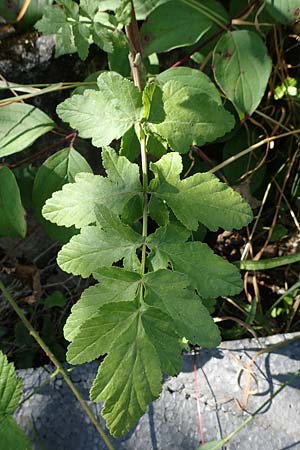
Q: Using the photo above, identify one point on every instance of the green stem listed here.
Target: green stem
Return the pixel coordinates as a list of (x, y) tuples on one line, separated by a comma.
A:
[(145, 191), (139, 79), (269, 263), (57, 364)]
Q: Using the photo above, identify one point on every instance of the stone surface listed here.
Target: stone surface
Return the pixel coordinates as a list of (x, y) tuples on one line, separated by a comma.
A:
[(56, 422)]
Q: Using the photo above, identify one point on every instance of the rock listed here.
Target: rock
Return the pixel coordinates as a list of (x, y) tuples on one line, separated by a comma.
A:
[(53, 417)]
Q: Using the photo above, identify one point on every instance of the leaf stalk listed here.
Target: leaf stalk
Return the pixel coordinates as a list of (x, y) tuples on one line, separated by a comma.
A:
[(145, 190), (139, 79)]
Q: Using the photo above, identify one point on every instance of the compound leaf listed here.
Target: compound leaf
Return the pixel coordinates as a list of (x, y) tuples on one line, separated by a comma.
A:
[(103, 37), (99, 245), (242, 68), (171, 233), (171, 292), (210, 274), (130, 376), (53, 21), (213, 203), (12, 437), (106, 114), (20, 126), (81, 38), (141, 339), (190, 119), (75, 204), (117, 285), (71, 8), (10, 387), (12, 213)]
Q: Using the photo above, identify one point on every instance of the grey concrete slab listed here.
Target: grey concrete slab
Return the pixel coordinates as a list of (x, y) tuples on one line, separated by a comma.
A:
[(56, 422)]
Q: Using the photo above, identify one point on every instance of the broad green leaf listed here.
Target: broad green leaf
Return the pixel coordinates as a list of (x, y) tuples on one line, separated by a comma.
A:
[(56, 171), (106, 114), (284, 11), (97, 246), (34, 11), (12, 213), (144, 7), (10, 388), (117, 285), (195, 80), (213, 203), (75, 204), (242, 68), (190, 119), (20, 126), (170, 25), (170, 292), (12, 437), (210, 274)]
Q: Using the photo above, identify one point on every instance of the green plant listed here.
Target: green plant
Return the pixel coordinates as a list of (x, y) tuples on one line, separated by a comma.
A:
[(138, 229), (11, 435), (142, 308)]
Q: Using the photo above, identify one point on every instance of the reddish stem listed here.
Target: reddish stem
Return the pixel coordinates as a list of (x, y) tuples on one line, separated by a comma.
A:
[(71, 136)]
